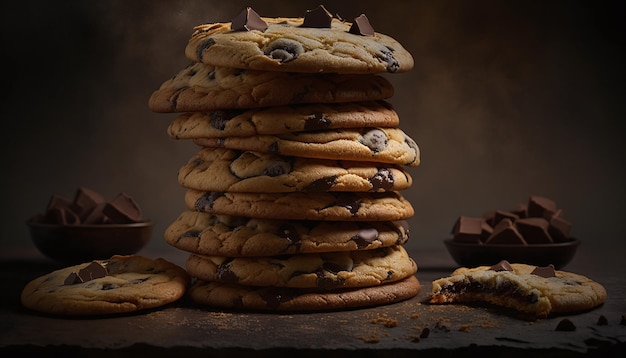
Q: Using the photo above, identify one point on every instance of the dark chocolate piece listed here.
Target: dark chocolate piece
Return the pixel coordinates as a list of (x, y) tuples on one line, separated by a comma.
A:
[(90, 272), (85, 200), (283, 50), (485, 231), (248, 20), (122, 209), (62, 216), (501, 214), (534, 230), (546, 271), (559, 229), (72, 278), (361, 26), (365, 237), (96, 216), (316, 121), (321, 185), (602, 321), (503, 265), (425, 332), (382, 180), (505, 233), (565, 325), (542, 207), (290, 233), (375, 139), (318, 18), (225, 273), (468, 229), (205, 202)]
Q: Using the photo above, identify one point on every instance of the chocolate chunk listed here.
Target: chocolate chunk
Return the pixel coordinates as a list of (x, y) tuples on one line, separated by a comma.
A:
[(565, 325), (122, 210), (361, 26), (203, 46), (290, 233), (248, 20), (559, 229), (318, 18), (316, 121), (501, 214), (382, 180), (546, 271), (276, 168), (485, 231), (387, 57), (62, 216), (273, 148), (468, 229), (521, 211), (206, 201), (85, 200), (321, 185), (505, 233), (96, 216), (90, 272), (274, 296), (220, 118), (283, 50), (375, 139), (503, 265), (365, 237), (225, 274), (602, 321), (57, 201), (534, 230), (352, 206), (542, 207)]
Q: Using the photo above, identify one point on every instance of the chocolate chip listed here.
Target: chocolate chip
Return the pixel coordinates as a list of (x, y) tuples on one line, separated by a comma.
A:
[(361, 26), (365, 237), (503, 265), (205, 202), (225, 273), (193, 233), (318, 18), (90, 272), (321, 185), (352, 206), (290, 233), (468, 229), (274, 296), (425, 332), (283, 50), (248, 20), (316, 122), (220, 118), (375, 139), (542, 207), (382, 180), (273, 148), (276, 168), (565, 325), (203, 46), (546, 272), (387, 57), (72, 278), (122, 209), (505, 233)]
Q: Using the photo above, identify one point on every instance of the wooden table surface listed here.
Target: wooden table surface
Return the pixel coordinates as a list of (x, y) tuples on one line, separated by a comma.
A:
[(190, 330)]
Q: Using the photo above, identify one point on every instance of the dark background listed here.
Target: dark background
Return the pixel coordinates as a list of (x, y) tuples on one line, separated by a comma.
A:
[(507, 99)]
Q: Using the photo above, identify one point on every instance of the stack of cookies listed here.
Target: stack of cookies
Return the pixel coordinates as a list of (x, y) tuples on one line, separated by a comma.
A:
[(293, 200)]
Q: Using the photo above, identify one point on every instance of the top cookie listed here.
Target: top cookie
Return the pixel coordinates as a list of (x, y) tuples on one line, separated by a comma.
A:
[(313, 44)]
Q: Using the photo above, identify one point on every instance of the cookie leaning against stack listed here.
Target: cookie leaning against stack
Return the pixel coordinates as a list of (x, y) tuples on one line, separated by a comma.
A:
[(293, 200)]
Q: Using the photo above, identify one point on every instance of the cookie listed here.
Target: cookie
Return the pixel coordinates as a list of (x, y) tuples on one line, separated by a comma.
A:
[(527, 289), (282, 119), (283, 299), (384, 145), (291, 44), (319, 271), (383, 206), (121, 284), (222, 235), (246, 171), (201, 88)]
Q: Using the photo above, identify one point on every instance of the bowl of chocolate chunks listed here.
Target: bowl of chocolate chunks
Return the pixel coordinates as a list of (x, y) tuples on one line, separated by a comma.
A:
[(535, 233), (89, 227)]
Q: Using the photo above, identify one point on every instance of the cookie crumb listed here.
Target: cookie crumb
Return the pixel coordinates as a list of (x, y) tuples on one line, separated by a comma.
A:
[(465, 328), (425, 332), (602, 321), (415, 315), (386, 321), (440, 326), (565, 325), (372, 338)]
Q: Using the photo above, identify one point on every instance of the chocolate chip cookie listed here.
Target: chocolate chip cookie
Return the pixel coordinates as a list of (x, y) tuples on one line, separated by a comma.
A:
[(297, 45), (319, 271), (218, 169), (120, 284), (285, 299), (384, 145), (530, 290), (340, 206), (223, 235), (201, 88)]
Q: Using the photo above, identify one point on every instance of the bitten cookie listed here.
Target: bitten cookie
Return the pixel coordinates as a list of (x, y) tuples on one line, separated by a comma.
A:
[(536, 291), (222, 235), (120, 284), (282, 119), (284, 299), (200, 87), (246, 171), (294, 44), (384, 145), (383, 206), (319, 271)]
